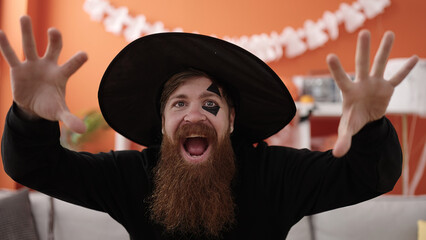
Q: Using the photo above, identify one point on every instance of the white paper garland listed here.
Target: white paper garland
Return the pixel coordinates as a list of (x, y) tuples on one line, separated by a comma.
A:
[(268, 47)]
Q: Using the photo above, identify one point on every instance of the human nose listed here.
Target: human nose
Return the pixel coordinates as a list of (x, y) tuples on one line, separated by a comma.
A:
[(195, 114)]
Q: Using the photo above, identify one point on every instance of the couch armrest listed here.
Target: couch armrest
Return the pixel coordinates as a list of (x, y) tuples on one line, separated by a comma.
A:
[(74, 222), (385, 217)]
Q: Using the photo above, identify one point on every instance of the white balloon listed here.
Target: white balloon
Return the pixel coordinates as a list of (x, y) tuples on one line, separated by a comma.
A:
[(135, 28), (96, 9), (116, 20), (315, 37), (372, 8), (352, 18), (294, 46), (331, 24)]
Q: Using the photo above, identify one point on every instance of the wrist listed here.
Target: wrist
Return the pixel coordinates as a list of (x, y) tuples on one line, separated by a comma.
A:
[(25, 114)]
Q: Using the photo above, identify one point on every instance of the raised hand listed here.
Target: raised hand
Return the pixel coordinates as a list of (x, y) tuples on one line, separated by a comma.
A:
[(366, 98), (38, 83)]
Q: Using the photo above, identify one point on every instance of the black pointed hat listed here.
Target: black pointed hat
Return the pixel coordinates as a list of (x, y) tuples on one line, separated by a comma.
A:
[(130, 90)]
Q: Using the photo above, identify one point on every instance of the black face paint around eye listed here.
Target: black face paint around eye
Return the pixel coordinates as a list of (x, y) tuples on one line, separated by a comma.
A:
[(213, 110), (213, 88)]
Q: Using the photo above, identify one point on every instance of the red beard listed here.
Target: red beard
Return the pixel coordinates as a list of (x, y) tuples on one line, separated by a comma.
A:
[(194, 199)]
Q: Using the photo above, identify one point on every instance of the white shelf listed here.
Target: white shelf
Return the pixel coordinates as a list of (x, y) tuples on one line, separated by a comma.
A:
[(327, 110), (324, 109)]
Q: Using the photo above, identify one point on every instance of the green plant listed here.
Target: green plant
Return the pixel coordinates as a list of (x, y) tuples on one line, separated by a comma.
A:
[(94, 122)]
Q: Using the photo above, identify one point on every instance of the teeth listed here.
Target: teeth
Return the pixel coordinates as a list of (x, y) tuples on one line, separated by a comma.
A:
[(194, 136)]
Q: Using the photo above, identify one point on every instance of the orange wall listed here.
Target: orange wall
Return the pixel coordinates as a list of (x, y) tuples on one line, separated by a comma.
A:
[(9, 9), (221, 17)]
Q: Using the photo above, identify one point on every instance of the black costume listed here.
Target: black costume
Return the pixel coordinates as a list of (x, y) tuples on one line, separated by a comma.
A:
[(273, 189)]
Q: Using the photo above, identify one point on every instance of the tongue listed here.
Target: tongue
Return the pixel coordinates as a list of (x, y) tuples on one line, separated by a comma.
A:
[(196, 146)]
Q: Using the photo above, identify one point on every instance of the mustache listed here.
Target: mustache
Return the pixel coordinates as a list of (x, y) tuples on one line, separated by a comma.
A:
[(196, 129)]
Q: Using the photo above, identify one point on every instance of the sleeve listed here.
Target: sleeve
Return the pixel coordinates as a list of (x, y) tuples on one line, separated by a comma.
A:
[(303, 182), (32, 156)]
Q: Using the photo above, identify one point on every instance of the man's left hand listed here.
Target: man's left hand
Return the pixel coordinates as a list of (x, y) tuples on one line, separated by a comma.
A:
[(366, 98)]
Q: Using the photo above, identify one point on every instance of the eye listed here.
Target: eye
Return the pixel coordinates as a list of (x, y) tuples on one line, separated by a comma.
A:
[(179, 104), (210, 104)]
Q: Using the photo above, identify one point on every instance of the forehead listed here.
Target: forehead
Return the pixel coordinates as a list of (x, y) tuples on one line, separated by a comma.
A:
[(193, 85)]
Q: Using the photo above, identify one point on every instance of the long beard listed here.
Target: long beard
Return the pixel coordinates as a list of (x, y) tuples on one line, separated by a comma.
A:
[(194, 199)]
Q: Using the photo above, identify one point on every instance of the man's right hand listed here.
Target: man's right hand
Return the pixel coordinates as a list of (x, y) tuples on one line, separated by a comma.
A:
[(38, 83)]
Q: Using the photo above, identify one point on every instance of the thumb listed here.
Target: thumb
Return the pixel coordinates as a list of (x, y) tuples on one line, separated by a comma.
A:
[(342, 145), (72, 122)]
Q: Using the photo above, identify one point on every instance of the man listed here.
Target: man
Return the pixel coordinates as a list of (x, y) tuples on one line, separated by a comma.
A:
[(199, 104)]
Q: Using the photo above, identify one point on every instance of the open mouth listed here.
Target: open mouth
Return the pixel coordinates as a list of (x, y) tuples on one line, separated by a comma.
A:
[(195, 148)]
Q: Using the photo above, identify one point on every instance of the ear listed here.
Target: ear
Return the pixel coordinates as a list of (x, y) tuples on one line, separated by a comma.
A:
[(162, 124), (231, 119)]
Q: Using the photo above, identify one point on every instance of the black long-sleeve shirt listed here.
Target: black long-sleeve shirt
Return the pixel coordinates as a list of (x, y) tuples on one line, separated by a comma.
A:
[(273, 189)]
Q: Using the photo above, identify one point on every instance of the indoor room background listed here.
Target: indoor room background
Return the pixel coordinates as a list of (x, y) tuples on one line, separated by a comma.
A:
[(302, 35)]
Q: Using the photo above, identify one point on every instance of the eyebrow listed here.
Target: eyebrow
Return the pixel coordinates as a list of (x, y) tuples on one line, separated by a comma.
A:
[(180, 96), (203, 95), (210, 94)]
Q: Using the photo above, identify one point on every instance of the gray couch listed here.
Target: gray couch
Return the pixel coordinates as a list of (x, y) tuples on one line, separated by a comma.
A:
[(386, 217)]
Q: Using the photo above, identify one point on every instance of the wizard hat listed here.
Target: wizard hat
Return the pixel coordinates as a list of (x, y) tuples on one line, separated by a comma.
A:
[(130, 90)]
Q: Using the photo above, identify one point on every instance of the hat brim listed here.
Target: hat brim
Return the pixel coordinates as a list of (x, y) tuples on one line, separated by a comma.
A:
[(130, 89)]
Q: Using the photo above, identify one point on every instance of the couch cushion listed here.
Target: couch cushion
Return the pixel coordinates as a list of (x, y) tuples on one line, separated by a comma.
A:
[(74, 222), (301, 230), (41, 207), (386, 217), (16, 221)]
